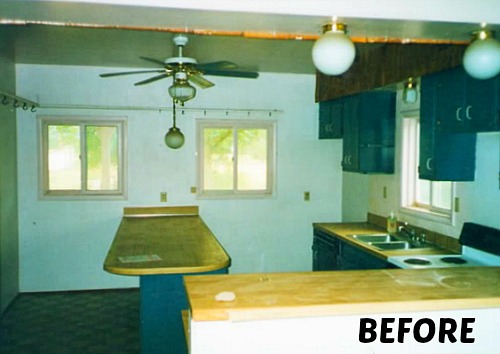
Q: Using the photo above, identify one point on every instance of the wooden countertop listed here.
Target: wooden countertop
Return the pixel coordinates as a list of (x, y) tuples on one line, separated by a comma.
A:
[(344, 231), (309, 294), (164, 240)]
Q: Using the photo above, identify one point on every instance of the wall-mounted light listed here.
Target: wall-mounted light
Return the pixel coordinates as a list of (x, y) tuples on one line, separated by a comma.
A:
[(174, 138), (482, 57), (410, 91), (181, 90), (333, 53)]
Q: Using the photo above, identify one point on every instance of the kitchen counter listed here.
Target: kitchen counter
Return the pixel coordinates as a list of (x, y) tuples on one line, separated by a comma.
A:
[(164, 240), (344, 231), (161, 245), (309, 294)]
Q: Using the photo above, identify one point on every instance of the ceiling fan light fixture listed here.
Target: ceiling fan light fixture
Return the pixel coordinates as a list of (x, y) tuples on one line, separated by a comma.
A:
[(481, 59), (410, 91), (181, 90), (174, 138), (333, 53)]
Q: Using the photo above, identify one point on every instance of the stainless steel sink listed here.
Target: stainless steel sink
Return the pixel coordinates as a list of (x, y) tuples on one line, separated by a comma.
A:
[(387, 242), (375, 238)]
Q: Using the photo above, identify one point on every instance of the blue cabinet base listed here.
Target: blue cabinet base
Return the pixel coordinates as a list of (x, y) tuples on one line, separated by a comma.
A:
[(163, 297)]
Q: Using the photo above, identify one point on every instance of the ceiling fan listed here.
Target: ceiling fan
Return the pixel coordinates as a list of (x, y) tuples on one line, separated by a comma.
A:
[(185, 70)]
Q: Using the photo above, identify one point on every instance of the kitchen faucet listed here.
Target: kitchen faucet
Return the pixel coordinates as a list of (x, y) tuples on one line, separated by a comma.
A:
[(407, 231)]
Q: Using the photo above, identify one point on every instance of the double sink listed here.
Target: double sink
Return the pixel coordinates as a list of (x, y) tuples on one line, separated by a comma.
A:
[(388, 242)]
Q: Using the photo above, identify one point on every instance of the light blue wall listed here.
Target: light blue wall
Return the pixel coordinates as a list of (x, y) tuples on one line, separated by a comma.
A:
[(63, 243), (9, 255)]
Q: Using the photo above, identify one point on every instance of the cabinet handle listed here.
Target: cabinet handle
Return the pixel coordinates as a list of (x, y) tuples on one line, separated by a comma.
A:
[(428, 164), (467, 111), (349, 161), (457, 114)]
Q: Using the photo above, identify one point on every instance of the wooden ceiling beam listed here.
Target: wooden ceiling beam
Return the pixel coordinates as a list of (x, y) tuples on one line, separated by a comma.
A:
[(379, 65)]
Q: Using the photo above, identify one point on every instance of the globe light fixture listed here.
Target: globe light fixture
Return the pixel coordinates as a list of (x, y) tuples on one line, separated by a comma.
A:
[(482, 57), (174, 138), (181, 91), (333, 53), (410, 92)]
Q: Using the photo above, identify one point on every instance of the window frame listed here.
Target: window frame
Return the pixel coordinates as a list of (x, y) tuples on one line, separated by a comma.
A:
[(45, 193), (409, 175), (235, 124)]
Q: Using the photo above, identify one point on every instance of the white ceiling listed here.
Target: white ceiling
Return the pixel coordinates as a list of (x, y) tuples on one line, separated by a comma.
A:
[(115, 33)]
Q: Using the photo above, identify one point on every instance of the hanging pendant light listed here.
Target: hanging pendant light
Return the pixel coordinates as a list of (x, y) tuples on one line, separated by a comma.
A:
[(410, 92), (333, 53), (174, 138), (181, 90), (482, 57)]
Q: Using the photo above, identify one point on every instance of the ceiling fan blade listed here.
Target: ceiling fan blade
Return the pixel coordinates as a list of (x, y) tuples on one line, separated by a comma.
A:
[(152, 60), (132, 72), (232, 73), (223, 65), (200, 81), (152, 79)]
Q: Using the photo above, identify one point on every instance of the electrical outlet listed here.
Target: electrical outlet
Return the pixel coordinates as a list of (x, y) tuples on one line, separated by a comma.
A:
[(163, 197), (307, 196), (384, 192), (193, 190), (457, 205)]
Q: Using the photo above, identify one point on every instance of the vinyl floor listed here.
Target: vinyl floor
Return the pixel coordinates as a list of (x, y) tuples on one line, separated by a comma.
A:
[(94, 322)]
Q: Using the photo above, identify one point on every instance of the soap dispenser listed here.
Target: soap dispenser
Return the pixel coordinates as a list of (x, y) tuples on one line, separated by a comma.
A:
[(392, 223)]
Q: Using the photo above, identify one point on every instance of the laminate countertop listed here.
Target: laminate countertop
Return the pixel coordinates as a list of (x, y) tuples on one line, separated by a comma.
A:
[(345, 232), (331, 293), (309, 294), (164, 240)]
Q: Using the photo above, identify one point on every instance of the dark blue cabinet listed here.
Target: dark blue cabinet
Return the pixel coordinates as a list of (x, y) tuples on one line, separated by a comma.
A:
[(463, 104), (330, 119), (444, 155), (331, 253), (369, 132)]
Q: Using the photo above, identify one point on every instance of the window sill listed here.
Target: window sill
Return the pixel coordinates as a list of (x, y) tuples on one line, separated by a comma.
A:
[(447, 219)]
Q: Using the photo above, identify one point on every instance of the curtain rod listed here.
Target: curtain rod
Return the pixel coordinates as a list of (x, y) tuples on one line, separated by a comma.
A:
[(155, 108)]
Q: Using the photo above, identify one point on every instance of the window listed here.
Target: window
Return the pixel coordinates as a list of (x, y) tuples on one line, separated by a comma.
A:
[(236, 158), (417, 194), (82, 157)]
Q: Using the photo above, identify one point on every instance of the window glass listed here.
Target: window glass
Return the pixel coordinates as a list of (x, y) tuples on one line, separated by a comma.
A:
[(236, 158), (82, 157), (64, 157)]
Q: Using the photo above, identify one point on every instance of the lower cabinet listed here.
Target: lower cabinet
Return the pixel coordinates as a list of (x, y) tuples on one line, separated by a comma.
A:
[(331, 253)]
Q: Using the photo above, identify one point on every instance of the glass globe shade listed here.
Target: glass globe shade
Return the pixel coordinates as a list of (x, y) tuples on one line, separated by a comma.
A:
[(174, 139), (181, 91), (482, 58), (333, 53)]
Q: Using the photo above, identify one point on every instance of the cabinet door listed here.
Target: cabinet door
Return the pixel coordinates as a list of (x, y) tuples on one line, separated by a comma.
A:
[(443, 156), (352, 258), (330, 119), (450, 100), (481, 110), (351, 113), (325, 250)]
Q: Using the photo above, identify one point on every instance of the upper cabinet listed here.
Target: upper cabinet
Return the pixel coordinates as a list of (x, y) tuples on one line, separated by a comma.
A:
[(368, 122), (330, 119), (444, 156), (462, 104)]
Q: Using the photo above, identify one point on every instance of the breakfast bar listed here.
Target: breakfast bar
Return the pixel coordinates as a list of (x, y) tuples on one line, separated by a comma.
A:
[(161, 245), (322, 312)]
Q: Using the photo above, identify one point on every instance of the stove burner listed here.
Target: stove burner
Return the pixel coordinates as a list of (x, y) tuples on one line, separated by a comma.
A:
[(417, 261), (453, 260)]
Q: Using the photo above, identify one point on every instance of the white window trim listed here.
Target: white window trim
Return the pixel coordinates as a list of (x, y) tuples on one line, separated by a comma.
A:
[(270, 191), (407, 182), (45, 194)]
